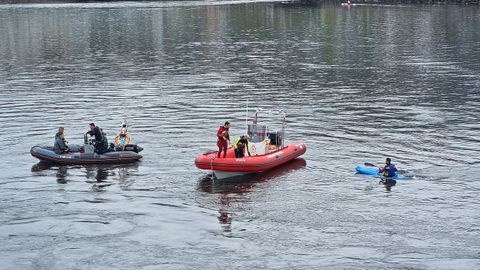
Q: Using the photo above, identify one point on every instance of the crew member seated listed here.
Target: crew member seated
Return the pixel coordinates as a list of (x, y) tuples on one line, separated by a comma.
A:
[(123, 138), (60, 145), (268, 146)]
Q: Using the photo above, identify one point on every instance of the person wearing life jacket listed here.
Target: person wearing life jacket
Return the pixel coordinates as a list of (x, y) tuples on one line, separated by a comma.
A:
[(389, 170), (222, 139), (60, 145), (239, 146), (123, 138), (101, 142)]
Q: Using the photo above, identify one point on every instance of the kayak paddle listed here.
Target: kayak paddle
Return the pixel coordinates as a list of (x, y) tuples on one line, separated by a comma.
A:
[(370, 164)]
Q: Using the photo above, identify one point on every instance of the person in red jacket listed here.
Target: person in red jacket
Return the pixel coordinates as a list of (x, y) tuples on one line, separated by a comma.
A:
[(223, 138)]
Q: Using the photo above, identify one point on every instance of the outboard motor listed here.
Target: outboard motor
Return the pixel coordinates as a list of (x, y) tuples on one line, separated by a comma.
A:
[(88, 145), (273, 138), (276, 138)]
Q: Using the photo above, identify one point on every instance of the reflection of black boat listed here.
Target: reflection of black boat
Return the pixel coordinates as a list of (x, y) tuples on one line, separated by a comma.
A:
[(44, 166), (78, 155), (99, 172), (245, 183)]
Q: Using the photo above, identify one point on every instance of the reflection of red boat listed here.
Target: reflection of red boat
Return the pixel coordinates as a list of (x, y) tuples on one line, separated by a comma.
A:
[(244, 184), (348, 4), (268, 146)]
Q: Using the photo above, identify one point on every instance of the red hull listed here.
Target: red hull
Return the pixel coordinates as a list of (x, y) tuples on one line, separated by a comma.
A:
[(255, 164)]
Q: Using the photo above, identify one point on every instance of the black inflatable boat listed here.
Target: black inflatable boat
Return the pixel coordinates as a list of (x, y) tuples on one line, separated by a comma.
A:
[(84, 155)]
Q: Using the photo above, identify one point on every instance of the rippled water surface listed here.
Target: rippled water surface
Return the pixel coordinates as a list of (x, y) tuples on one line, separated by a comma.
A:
[(358, 85)]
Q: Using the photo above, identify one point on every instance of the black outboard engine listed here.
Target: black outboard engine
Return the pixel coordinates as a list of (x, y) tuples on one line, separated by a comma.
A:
[(273, 139), (276, 138), (88, 147)]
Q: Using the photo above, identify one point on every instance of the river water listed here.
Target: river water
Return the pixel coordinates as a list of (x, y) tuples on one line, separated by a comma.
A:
[(358, 84)]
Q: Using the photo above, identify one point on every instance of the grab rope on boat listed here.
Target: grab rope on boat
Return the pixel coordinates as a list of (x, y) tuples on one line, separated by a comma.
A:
[(212, 157)]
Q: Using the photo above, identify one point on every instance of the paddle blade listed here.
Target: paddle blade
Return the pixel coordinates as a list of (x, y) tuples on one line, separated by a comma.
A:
[(369, 164)]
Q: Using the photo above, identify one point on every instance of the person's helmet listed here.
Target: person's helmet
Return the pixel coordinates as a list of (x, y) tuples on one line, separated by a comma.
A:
[(246, 137)]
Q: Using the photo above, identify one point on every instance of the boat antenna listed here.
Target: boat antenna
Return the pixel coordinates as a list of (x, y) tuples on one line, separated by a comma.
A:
[(246, 119), (283, 128)]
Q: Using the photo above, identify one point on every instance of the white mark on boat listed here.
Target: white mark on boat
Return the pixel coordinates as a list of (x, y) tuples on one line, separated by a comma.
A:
[(275, 154)]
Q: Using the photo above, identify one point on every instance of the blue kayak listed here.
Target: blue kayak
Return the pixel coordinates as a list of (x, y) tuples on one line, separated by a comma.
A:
[(374, 171)]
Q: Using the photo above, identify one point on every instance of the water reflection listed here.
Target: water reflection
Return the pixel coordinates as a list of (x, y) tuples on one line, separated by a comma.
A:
[(225, 217), (243, 184), (240, 186), (62, 175), (95, 174), (388, 183)]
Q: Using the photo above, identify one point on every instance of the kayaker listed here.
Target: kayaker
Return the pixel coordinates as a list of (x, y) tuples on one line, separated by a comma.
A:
[(60, 145), (101, 142), (389, 170), (239, 146), (222, 139)]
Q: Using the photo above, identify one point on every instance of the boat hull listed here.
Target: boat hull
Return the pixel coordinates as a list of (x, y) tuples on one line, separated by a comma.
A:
[(231, 166), (375, 172), (46, 154)]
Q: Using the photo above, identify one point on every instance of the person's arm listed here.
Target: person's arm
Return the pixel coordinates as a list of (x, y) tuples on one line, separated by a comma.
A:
[(92, 132), (248, 149), (99, 133), (65, 142)]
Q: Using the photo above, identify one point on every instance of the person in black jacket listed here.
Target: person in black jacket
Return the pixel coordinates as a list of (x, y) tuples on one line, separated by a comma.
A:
[(101, 142)]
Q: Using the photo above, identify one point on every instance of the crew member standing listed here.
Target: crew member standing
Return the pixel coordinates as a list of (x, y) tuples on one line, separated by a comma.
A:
[(223, 138)]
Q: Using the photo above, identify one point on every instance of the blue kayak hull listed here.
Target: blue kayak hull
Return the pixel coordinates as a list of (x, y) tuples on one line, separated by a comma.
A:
[(374, 172)]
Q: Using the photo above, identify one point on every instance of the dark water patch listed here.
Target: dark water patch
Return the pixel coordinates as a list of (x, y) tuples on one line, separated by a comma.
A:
[(94, 221), (168, 205), (97, 200)]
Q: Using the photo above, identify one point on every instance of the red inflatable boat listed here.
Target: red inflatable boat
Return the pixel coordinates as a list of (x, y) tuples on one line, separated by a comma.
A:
[(231, 166), (266, 144)]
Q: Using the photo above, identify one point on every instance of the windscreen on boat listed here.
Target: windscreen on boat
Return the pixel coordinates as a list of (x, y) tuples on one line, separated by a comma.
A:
[(257, 133)]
